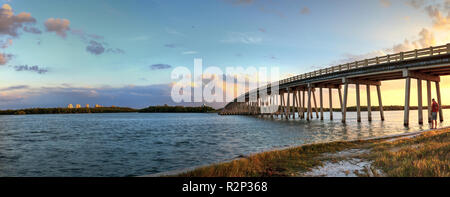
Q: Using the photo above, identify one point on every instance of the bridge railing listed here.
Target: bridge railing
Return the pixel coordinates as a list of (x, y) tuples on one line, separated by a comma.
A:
[(402, 56), (418, 53)]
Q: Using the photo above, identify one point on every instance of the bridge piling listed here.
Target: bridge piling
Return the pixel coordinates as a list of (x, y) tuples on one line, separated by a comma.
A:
[(407, 100), (438, 94), (282, 106), (429, 100), (358, 103), (330, 93), (344, 102), (369, 105), (321, 103), (294, 102), (340, 97), (419, 101), (315, 103), (304, 104), (380, 102), (299, 103), (309, 113), (288, 111)]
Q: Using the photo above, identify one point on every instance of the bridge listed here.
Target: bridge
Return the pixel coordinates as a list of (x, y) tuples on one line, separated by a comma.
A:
[(426, 64)]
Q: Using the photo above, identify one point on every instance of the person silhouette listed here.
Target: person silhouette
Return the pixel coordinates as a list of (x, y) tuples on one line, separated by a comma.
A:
[(434, 111)]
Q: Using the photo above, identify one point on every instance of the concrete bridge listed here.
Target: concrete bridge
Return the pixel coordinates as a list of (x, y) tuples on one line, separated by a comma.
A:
[(426, 64)]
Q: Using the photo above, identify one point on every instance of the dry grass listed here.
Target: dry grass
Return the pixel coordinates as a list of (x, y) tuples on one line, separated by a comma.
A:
[(286, 162), (425, 155)]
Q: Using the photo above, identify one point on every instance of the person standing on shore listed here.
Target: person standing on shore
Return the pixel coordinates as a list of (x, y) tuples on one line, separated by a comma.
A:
[(434, 111)]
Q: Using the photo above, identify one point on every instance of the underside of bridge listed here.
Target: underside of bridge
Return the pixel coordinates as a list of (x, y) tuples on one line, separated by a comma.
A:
[(298, 94)]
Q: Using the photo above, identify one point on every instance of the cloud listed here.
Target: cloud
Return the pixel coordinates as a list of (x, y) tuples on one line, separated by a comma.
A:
[(32, 30), (6, 44), (240, 2), (10, 23), (348, 57), (115, 50), (385, 3), (170, 45), (440, 21), (174, 32), (439, 14), (189, 52), (86, 36), (245, 38), (416, 3), (160, 66), (4, 58), (426, 39), (95, 48), (35, 68), (305, 10), (59, 26), (19, 87)]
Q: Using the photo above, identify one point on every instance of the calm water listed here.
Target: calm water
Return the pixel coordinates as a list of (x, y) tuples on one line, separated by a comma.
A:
[(141, 144)]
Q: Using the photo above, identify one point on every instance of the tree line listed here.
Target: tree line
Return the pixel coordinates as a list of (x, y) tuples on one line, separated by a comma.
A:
[(151, 109)]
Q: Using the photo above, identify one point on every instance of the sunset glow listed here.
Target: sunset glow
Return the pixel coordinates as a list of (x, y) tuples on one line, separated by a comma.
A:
[(122, 53)]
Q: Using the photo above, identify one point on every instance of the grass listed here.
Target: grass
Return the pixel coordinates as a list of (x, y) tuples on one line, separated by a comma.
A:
[(425, 155), (274, 163)]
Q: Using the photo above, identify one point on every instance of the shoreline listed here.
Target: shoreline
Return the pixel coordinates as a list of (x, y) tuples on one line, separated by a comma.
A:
[(388, 138)]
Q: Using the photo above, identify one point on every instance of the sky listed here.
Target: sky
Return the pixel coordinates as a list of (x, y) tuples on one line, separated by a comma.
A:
[(122, 52)]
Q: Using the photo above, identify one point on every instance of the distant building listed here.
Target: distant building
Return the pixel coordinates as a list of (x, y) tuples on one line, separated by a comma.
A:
[(70, 106), (97, 106), (78, 106), (87, 105)]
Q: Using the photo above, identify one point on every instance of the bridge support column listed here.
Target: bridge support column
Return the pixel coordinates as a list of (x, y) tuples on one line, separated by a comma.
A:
[(283, 103), (294, 102), (321, 103), (380, 102), (369, 104), (288, 104), (438, 94), (299, 105), (407, 100), (419, 101), (309, 113), (304, 104), (344, 102), (358, 103), (315, 103), (429, 100), (330, 95), (340, 97)]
